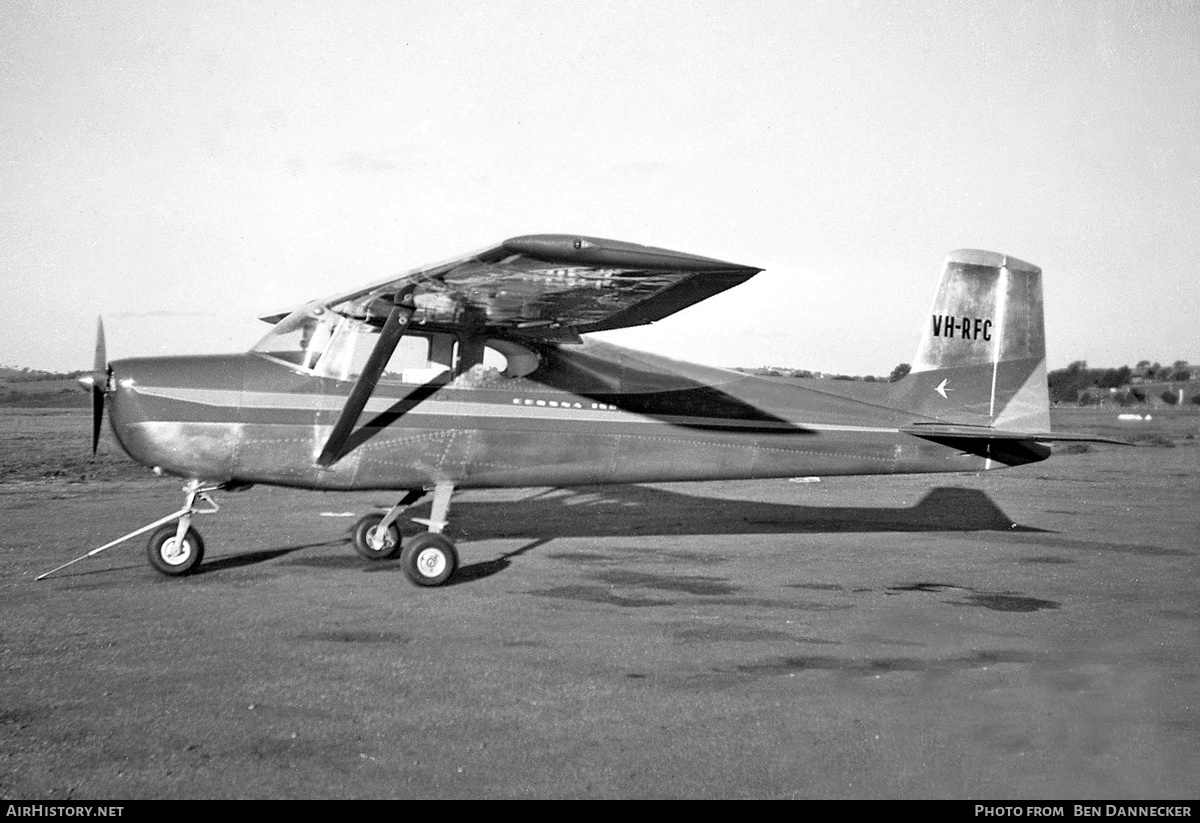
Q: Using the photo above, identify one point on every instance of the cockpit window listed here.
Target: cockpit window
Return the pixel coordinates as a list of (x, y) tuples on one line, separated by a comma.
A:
[(327, 344), (300, 338)]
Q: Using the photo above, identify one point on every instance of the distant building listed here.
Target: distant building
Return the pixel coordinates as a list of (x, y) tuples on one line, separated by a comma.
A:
[(1143, 393)]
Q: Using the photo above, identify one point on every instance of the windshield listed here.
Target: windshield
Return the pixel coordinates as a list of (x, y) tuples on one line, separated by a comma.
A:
[(301, 337)]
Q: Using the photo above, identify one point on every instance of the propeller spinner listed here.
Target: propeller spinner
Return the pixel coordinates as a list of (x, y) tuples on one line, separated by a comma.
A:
[(97, 382)]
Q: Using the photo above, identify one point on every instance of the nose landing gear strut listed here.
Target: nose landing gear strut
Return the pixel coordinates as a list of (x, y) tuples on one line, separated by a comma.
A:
[(174, 549)]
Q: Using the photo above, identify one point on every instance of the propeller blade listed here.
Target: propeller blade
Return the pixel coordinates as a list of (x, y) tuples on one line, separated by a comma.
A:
[(99, 381), (364, 387), (97, 416), (100, 363)]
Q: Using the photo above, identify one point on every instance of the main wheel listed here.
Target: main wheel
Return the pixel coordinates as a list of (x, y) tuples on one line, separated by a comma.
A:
[(366, 528), (429, 559), (171, 556)]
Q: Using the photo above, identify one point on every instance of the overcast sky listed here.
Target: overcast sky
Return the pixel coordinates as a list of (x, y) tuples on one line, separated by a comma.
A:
[(181, 168)]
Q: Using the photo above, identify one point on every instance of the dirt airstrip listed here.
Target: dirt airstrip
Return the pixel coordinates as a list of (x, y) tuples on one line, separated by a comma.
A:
[(1030, 633)]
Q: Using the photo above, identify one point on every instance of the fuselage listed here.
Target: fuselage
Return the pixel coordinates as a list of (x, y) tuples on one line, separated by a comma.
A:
[(587, 413)]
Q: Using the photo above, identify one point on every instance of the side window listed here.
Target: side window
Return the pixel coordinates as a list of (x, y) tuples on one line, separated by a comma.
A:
[(347, 350), (412, 354), (493, 359), (499, 362), (421, 359), (512, 359), (418, 358), (342, 351)]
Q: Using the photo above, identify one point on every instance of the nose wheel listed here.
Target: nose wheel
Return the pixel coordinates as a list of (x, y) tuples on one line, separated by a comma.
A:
[(173, 556)]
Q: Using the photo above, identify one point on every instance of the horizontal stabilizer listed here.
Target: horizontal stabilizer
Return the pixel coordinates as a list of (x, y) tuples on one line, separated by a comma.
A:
[(1003, 446), (942, 432)]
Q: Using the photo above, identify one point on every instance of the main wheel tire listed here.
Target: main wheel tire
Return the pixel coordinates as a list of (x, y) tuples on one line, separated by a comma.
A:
[(429, 559), (365, 528), (171, 559)]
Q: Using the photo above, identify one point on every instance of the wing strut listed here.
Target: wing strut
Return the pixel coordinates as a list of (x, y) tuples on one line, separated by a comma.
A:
[(364, 387)]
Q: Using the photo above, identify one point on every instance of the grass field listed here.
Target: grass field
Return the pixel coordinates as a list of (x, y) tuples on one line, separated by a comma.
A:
[(54, 444), (1162, 427)]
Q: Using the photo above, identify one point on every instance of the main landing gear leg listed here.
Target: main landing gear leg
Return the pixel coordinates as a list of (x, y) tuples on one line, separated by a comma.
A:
[(174, 549), (376, 536), (430, 559)]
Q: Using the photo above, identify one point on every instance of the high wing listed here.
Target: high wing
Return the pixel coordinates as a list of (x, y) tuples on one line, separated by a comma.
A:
[(549, 285), (543, 285)]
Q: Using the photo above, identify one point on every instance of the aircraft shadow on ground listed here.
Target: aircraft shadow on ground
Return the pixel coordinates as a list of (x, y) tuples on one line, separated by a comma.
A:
[(623, 511), (260, 556), (612, 511)]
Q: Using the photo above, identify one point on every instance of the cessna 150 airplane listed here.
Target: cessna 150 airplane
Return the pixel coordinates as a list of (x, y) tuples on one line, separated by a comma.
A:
[(474, 373)]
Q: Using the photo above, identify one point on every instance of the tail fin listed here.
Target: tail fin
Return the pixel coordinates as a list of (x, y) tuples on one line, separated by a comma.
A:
[(982, 356)]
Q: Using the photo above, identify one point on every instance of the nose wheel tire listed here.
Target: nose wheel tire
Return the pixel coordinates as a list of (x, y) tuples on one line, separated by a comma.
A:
[(172, 557), (365, 529), (429, 559)]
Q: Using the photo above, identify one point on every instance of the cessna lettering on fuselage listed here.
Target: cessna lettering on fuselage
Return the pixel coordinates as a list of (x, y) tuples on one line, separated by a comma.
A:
[(965, 328), (476, 373)]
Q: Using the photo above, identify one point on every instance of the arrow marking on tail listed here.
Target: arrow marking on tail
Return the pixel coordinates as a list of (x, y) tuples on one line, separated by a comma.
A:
[(941, 389)]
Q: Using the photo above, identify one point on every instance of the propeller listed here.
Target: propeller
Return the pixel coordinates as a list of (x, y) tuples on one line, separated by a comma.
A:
[(97, 382)]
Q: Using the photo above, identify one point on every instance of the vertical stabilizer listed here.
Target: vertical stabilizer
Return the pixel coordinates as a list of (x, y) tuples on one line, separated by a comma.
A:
[(982, 356)]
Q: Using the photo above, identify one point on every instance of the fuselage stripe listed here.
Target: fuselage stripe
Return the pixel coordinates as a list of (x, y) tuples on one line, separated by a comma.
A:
[(516, 408)]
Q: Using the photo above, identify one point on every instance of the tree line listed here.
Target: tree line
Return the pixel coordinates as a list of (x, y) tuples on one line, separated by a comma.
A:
[(1071, 385)]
